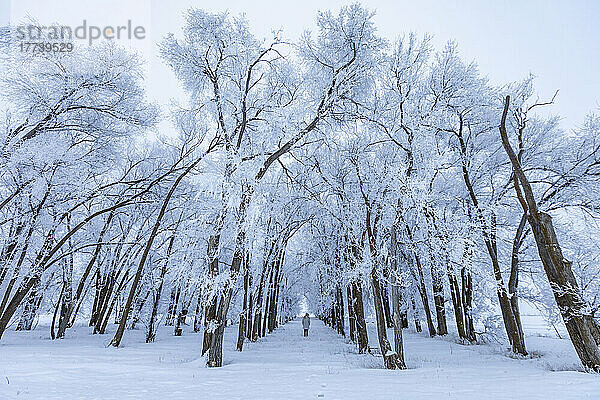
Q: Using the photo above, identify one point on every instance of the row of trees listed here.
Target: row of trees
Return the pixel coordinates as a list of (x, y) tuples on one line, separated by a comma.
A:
[(362, 174)]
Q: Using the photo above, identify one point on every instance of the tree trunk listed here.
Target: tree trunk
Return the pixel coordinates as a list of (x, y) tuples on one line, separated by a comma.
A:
[(139, 306), (390, 357), (351, 316), (108, 284), (513, 281), (421, 284), (71, 301), (424, 297), (583, 329), (416, 315), (118, 292), (29, 311), (359, 314), (151, 334), (249, 309), (467, 298), (259, 301), (172, 310), (340, 307), (386, 299), (396, 318), (438, 298), (198, 314), (67, 304), (456, 303), (96, 303), (243, 314)]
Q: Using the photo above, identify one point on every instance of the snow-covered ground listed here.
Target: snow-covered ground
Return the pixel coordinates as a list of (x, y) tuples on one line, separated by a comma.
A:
[(284, 365)]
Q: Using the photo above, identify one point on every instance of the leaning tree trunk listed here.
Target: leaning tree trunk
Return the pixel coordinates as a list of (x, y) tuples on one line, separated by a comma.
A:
[(513, 281), (151, 334), (118, 291), (34, 300), (70, 301), (268, 298), (275, 290), (583, 329), (97, 294), (108, 285)]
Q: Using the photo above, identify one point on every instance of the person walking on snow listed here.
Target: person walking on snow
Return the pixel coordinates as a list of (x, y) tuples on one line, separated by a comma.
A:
[(306, 324)]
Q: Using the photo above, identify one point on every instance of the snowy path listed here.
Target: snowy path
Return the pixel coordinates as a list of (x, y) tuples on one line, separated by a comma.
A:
[(284, 365)]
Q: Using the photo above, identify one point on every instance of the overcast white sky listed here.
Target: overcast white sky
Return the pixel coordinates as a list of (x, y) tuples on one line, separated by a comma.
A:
[(558, 41)]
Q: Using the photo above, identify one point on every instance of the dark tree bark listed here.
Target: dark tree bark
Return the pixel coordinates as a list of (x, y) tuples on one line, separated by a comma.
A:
[(467, 297), (359, 313), (420, 283), (351, 316), (416, 315), (108, 285), (243, 313), (259, 295), (249, 310), (54, 315), (34, 299), (513, 282), (173, 302), (457, 304), (385, 297), (583, 329), (396, 318), (115, 298), (390, 357), (71, 301), (199, 314), (340, 308), (151, 334), (139, 305), (437, 282), (96, 303)]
